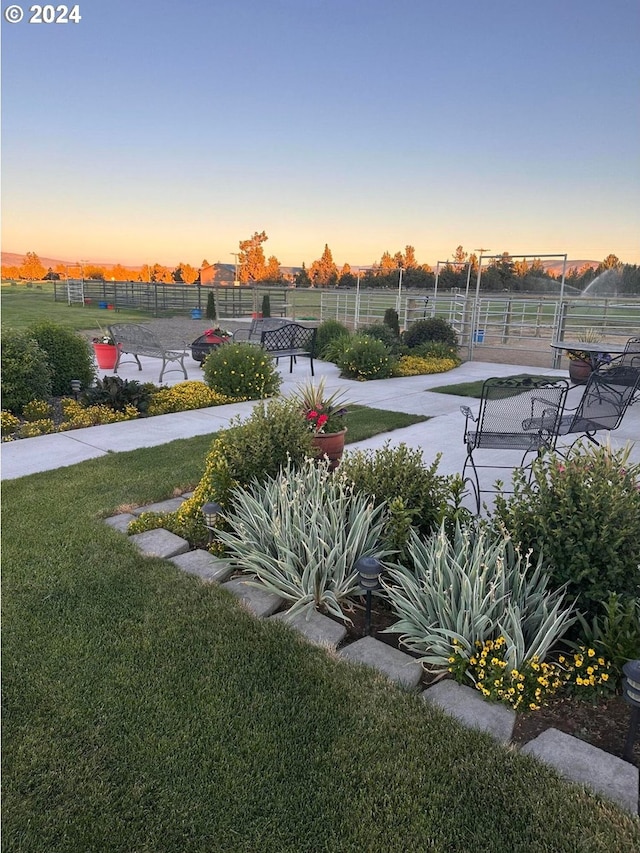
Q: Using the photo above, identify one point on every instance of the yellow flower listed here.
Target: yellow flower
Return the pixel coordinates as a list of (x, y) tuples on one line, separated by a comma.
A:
[(591, 653)]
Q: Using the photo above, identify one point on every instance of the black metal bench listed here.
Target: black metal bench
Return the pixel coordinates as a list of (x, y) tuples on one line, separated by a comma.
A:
[(290, 341), (134, 339)]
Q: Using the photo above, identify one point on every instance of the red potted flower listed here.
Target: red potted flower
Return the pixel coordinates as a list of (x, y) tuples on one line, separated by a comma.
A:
[(106, 351), (324, 416)]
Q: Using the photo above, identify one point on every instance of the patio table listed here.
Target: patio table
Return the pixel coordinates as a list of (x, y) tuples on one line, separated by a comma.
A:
[(595, 351)]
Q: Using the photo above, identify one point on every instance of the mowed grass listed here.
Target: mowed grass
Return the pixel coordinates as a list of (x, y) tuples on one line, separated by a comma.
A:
[(22, 307), (145, 711), (364, 422), (474, 389)]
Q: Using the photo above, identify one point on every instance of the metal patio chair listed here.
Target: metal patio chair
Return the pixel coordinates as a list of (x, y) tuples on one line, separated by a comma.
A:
[(516, 413), (607, 396), (630, 358)]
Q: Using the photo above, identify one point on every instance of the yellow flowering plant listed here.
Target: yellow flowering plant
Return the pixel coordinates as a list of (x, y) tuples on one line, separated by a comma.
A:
[(523, 689), (587, 674), (242, 371)]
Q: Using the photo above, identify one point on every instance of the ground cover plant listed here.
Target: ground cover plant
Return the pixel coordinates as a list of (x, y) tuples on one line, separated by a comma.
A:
[(144, 710)]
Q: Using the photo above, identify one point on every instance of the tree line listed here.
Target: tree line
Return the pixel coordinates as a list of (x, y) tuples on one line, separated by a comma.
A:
[(253, 266)]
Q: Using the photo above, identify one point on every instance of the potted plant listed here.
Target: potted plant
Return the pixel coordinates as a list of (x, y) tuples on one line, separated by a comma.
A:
[(324, 416), (211, 339), (106, 351), (580, 365)]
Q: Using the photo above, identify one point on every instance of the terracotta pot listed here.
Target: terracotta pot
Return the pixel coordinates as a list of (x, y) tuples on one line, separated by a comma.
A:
[(579, 371), (106, 355), (331, 446)]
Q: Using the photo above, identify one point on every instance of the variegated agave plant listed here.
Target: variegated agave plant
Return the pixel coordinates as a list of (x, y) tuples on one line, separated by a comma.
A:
[(473, 588), (301, 534)]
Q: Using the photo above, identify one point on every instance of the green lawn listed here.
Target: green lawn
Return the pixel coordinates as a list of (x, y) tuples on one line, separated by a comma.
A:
[(364, 422), (22, 306), (474, 389), (144, 711)]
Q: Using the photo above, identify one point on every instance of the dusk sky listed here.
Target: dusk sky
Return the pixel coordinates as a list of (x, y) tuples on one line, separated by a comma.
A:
[(157, 131)]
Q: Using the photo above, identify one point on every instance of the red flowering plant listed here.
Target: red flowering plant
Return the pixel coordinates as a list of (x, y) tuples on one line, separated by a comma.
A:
[(218, 332), (323, 414)]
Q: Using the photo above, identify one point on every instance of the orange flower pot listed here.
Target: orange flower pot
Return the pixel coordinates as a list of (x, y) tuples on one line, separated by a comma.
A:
[(330, 446)]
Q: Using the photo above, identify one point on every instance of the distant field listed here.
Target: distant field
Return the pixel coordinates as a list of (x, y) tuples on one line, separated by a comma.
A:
[(22, 306)]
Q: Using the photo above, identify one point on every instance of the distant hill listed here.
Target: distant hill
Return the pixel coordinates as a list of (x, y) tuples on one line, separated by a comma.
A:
[(12, 259), (556, 266)]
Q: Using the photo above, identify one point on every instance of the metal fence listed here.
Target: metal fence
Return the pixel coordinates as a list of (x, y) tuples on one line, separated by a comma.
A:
[(493, 327)]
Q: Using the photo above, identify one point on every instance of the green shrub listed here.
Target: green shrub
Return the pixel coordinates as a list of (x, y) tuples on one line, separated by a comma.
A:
[(327, 332), (253, 449), (116, 393), (210, 311), (583, 514), (266, 305), (301, 532), (69, 355), (383, 333), (335, 349), (431, 329), (391, 473), (25, 371), (392, 321), (364, 358), (435, 349), (242, 371), (476, 586)]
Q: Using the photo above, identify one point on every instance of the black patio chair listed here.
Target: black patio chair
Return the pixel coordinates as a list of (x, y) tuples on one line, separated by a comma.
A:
[(607, 396), (630, 358), (516, 413)]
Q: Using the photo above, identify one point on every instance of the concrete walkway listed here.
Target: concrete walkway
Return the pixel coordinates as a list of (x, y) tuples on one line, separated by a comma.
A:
[(442, 434)]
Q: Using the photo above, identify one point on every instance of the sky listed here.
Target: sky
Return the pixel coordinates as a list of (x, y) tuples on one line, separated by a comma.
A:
[(155, 131)]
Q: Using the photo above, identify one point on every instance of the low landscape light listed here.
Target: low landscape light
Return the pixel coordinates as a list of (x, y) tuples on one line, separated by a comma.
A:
[(76, 385), (211, 511), (369, 570), (631, 694)]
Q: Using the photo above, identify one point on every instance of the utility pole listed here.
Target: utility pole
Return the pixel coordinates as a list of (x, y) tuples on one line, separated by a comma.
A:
[(235, 274)]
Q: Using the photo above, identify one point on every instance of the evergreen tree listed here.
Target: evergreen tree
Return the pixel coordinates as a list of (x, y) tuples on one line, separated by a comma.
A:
[(210, 311)]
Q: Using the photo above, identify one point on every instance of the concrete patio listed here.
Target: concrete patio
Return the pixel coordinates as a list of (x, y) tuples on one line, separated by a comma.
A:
[(441, 434)]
